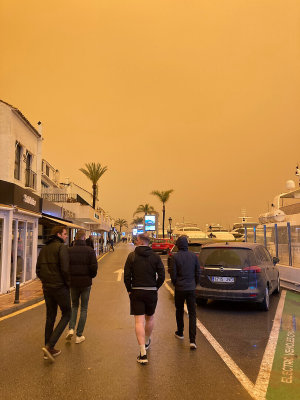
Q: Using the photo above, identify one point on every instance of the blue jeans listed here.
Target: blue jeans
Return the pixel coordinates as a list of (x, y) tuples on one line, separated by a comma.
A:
[(83, 294)]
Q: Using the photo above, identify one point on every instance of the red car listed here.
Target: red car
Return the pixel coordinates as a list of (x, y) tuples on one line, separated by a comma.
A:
[(162, 245)]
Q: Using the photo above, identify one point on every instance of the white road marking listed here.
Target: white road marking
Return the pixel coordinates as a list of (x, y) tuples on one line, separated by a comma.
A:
[(259, 390), (263, 378), (120, 273)]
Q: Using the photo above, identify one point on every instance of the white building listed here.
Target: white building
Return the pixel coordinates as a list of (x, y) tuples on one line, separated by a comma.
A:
[(20, 188)]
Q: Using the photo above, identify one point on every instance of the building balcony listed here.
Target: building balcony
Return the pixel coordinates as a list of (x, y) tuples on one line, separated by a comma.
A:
[(64, 198)]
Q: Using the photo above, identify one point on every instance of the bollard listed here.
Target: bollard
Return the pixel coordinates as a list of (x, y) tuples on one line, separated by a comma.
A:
[(17, 294)]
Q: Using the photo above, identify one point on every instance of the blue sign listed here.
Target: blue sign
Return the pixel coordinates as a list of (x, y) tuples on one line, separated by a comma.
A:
[(150, 222)]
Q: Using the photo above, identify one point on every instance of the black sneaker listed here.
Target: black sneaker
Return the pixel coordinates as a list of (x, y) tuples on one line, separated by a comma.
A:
[(179, 335), (147, 345), (142, 359)]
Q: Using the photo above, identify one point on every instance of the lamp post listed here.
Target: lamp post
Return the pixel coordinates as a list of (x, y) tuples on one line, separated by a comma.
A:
[(170, 223)]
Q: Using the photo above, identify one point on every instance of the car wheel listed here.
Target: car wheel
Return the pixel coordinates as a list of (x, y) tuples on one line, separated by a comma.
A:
[(277, 290), (201, 302), (265, 305)]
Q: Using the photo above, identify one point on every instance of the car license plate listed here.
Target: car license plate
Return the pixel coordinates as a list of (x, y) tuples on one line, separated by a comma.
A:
[(222, 279)]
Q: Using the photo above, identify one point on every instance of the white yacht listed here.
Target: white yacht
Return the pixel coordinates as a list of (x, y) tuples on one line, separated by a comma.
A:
[(190, 230), (216, 231), (279, 230)]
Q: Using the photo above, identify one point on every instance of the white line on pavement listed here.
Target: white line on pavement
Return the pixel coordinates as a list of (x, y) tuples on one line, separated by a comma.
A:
[(263, 378), (257, 391)]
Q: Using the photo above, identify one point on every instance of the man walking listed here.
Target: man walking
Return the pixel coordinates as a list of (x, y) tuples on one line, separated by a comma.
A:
[(53, 270), (89, 241), (83, 267), (144, 273), (184, 269)]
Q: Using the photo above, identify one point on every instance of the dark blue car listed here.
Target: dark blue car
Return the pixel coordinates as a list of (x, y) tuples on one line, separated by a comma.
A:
[(237, 271)]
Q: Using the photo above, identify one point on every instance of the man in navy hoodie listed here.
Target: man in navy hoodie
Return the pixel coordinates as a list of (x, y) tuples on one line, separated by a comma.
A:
[(144, 273), (184, 270)]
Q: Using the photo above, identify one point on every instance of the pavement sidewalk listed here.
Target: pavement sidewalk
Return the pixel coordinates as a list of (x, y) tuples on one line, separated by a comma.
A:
[(30, 293)]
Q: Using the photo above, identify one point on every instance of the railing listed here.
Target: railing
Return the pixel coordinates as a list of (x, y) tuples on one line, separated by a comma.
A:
[(60, 197), (282, 241), (64, 198), (30, 179)]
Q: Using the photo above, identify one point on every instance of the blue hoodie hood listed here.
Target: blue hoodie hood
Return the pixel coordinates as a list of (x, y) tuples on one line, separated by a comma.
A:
[(182, 243)]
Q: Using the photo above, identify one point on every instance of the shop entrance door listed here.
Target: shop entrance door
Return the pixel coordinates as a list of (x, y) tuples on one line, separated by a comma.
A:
[(1, 247), (21, 238), (29, 247), (13, 261)]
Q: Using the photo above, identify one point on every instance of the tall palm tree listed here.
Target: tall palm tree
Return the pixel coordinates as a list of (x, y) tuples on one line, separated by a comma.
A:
[(94, 172), (163, 197), (144, 208), (137, 221), (121, 222)]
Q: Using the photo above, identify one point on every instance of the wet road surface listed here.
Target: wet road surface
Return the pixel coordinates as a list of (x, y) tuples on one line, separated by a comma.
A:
[(105, 367)]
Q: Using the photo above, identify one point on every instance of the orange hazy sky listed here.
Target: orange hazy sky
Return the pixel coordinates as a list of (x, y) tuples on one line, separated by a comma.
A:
[(201, 96)]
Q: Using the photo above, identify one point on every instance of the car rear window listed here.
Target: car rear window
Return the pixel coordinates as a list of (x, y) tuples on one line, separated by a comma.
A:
[(227, 257), (194, 247)]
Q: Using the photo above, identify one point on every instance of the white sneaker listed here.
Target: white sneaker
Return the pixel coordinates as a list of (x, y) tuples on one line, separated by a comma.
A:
[(193, 346), (79, 339), (70, 334)]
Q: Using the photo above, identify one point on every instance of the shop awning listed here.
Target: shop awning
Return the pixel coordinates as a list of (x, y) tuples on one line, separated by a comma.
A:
[(60, 222)]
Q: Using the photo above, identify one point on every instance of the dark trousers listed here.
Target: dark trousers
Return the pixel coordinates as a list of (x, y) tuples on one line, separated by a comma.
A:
[(180, 297), (54, 298)]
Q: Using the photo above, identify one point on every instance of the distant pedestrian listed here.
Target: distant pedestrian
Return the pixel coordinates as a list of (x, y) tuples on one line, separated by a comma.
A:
[(53, 270), (111, 242), (83, 267), (89, 241), (144, 273), (184, 270)]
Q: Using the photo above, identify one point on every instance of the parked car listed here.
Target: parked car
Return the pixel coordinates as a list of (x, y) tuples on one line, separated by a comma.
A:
[(237, 271), (195, 247), (163, 246)]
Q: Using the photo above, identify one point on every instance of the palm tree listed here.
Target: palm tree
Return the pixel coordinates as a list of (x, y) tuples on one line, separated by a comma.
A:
[(94, 172), (121, 222), (163, 197), (144, 208), (137, 221)]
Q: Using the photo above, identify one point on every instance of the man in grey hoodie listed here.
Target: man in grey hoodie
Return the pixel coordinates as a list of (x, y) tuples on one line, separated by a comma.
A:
[(184, 270)]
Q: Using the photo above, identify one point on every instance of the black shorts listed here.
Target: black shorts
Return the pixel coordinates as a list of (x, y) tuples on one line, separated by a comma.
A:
[(143, 302)]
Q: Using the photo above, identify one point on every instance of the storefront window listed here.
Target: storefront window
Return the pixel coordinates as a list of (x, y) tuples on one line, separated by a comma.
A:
[(1, 246), (29, 247), (21, 251), (13, 258)]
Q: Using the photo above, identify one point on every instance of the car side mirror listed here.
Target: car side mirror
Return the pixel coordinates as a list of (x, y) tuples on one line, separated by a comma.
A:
[(275, 260)]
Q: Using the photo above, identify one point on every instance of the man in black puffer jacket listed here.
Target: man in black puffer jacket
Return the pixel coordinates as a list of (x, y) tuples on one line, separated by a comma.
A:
[(184, 270), (53, 270), (144, 273), (83, 267)]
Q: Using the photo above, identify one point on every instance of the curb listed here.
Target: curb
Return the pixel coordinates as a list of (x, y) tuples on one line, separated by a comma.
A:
[(17, 307)]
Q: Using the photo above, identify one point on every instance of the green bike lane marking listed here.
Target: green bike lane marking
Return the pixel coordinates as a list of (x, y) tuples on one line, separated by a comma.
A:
[(285, 375)]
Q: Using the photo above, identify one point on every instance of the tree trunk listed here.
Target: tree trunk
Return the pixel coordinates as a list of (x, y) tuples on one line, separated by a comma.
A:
[(163, 220), (94, 195)]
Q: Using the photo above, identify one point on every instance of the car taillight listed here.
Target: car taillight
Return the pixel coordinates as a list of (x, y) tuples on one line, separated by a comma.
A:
[(254, 268)]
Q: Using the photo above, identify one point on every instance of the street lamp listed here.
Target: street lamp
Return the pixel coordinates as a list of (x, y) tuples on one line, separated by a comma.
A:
[(170, 222)]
